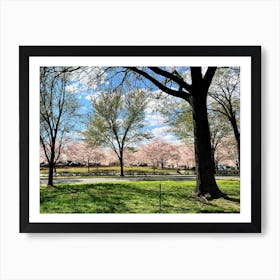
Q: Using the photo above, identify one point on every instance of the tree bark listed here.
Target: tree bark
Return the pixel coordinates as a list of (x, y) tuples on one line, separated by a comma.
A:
[(51, 164), (121, 163), (206, 184), (213, 159), (237, 137), (50, 177)]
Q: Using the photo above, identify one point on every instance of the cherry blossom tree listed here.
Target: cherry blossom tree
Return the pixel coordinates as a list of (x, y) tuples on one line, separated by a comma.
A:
[(159, 152), (187, 158), (227, 153), (83, 153)]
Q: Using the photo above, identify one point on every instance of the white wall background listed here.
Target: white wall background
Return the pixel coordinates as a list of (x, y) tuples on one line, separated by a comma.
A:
[(139, 256)]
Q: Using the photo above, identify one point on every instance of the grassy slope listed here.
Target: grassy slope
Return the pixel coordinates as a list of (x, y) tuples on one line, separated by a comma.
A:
[(135, 197)]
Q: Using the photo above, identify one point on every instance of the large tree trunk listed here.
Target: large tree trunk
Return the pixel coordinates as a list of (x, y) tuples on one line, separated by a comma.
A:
[(206, 183)]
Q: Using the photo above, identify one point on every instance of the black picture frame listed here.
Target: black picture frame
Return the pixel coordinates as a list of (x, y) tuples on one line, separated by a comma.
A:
[(254, 52)]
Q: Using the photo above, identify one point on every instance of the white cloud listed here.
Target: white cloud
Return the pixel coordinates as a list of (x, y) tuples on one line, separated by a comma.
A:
[(160, 131), (72, 88), (163, 133), (170, 138), (93, 95), (86, 78), (89, 97), (154, 119)]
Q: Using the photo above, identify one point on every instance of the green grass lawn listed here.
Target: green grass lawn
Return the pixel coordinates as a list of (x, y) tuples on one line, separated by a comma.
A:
[(111, 169), (136, 197)]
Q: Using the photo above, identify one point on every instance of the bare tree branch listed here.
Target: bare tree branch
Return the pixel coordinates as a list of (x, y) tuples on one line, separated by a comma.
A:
[(170, 91)]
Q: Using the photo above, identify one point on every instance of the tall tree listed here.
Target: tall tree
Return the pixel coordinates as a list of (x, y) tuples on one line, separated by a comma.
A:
[(117, 121), (219, 130), (58, 108), (226, 153), (178, 115), (225, 90), (172, 82)]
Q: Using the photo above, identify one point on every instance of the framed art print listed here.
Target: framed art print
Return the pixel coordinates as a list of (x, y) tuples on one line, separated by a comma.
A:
[(140, 138)]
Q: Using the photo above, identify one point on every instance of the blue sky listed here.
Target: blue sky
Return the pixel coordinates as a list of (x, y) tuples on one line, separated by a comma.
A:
[(155, 122), (90, 81)]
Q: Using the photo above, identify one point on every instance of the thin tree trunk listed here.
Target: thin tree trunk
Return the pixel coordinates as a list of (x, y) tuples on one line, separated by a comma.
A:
[(206, 183), (121, 163), (213, 159), (237, 137), (51, 165), (50, 178)]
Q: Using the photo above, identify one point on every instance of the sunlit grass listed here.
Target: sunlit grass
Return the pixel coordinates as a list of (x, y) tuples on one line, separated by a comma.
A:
[(136, 197), (114, 169)]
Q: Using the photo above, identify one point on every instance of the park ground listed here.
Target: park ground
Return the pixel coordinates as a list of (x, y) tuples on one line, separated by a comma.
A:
[(128, 170), (134, 194)]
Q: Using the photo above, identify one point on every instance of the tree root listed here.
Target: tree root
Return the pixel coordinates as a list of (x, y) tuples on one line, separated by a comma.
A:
[(206, 197)]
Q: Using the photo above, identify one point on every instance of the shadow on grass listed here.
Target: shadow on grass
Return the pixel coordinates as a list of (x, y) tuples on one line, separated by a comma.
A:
[(128, 197), (98, 198), (232, 199)]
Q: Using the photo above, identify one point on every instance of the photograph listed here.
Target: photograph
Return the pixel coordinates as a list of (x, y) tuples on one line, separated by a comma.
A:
[(141, 138)]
